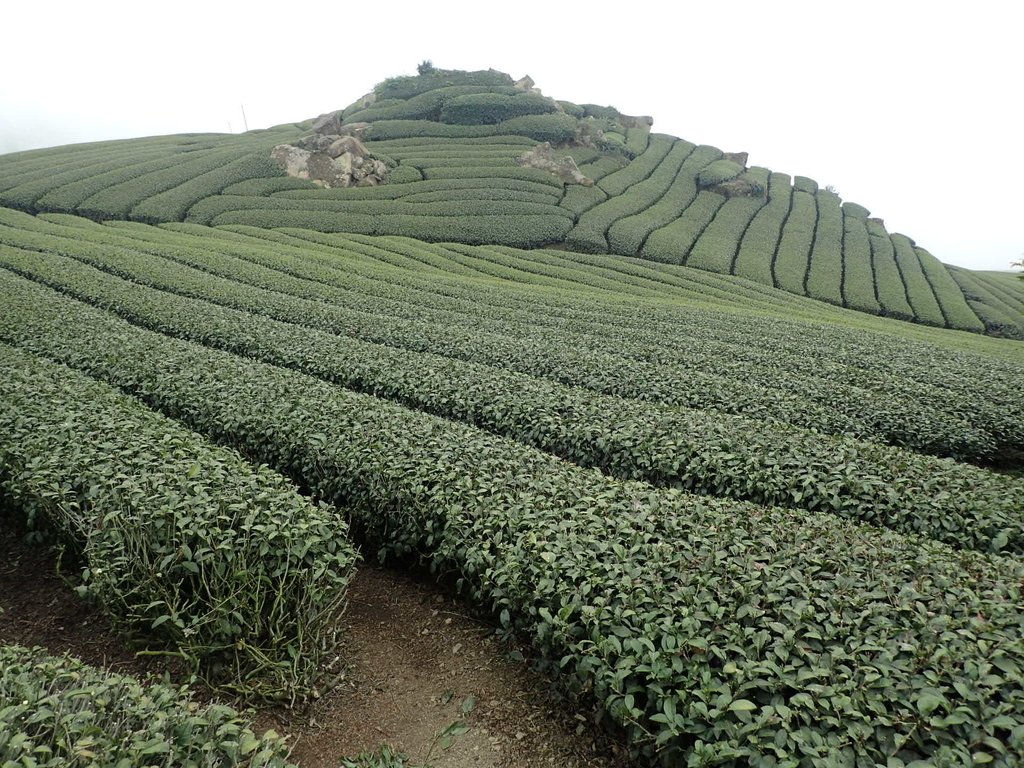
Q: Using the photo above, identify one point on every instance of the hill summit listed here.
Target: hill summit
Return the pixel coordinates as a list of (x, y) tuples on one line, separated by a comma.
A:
[(481, 158)]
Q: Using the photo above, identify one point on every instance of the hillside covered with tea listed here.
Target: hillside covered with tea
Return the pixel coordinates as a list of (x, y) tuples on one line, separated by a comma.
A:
[(476, 158), (655, 413)]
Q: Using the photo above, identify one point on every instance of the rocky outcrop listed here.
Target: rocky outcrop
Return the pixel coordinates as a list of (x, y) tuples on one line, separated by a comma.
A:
[(543, 156), (526, 84), (332, 156), (737, 157)]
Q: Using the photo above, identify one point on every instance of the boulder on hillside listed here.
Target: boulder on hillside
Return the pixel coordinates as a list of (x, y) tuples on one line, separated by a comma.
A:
[(543, 157), (347, 144), (636, 121), (327, 123), (737, 157), (331, 161), (526, 84)]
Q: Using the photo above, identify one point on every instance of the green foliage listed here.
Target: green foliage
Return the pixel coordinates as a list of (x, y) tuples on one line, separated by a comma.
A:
[(173, 205), (672, 244), (920, 294), (405, 174), (858, 274), (56, 712), (804, 184), (637, 139), (639, 169), (627, 236), (407, 87), (892, 294), (492, 108), (955, 310), (590, 233), (555, 128), (717, 172), (264, 187), (825, 271), (718, 245), (600, 113), (755, 259), (855, 211), (685, 618), (574, 110), (183, 542), (792, 257), (425, 106), (425, 67)]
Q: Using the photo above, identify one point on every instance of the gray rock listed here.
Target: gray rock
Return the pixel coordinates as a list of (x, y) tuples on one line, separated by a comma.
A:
[(293, 160), (347, 144), (328, 123), (543, 156)]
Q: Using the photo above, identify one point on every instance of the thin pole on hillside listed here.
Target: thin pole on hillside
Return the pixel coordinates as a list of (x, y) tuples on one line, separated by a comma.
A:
[(244, 121)]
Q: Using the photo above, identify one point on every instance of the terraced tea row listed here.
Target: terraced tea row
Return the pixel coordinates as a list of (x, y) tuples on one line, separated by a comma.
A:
[(455, 174), (705, 452), (184, 543), (60, 712), (981, 424), (703, 628)]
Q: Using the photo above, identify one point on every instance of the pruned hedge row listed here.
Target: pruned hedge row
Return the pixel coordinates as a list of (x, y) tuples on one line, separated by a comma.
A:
[(56, 712), (555, 128), (617, 182), (887, 405), (707, 630), (522, 231), (858, 273), (721, 455), (174, 204), (424, 106), (627, 236), (65, 191), (408, 87), (948, 294), (672, 244), (792, 257), (718, 172), (718, 245), (492, 108), (184, 543), (590, 233), (117, 201), (925, 307), (892, 293), (825, 271), (51, 182), (691, 382), (494, 172), (756, 256), (999, 317), (268, 186), (395, 192), (804, 184)]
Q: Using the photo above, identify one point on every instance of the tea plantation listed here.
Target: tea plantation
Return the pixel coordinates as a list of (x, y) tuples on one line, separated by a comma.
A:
[(696, 456)]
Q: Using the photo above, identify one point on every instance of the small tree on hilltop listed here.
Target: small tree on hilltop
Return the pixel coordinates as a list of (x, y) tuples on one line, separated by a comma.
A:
[(425, 67)]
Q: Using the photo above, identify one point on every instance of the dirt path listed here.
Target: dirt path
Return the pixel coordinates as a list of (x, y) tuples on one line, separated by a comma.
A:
[(422, 676)]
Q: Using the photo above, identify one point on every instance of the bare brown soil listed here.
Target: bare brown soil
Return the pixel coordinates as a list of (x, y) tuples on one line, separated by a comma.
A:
[(417, 665)]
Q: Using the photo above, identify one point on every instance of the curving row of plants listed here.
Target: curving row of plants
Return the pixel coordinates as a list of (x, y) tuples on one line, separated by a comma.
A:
[(703, 451), (183, 543), (56, 712), (711, 632), (919, 413)]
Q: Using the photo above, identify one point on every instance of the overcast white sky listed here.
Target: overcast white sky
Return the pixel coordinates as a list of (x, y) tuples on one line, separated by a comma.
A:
[(910, 108)]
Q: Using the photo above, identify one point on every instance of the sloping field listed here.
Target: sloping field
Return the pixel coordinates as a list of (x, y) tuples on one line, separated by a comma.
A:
[(452, 142), (753, 527)]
